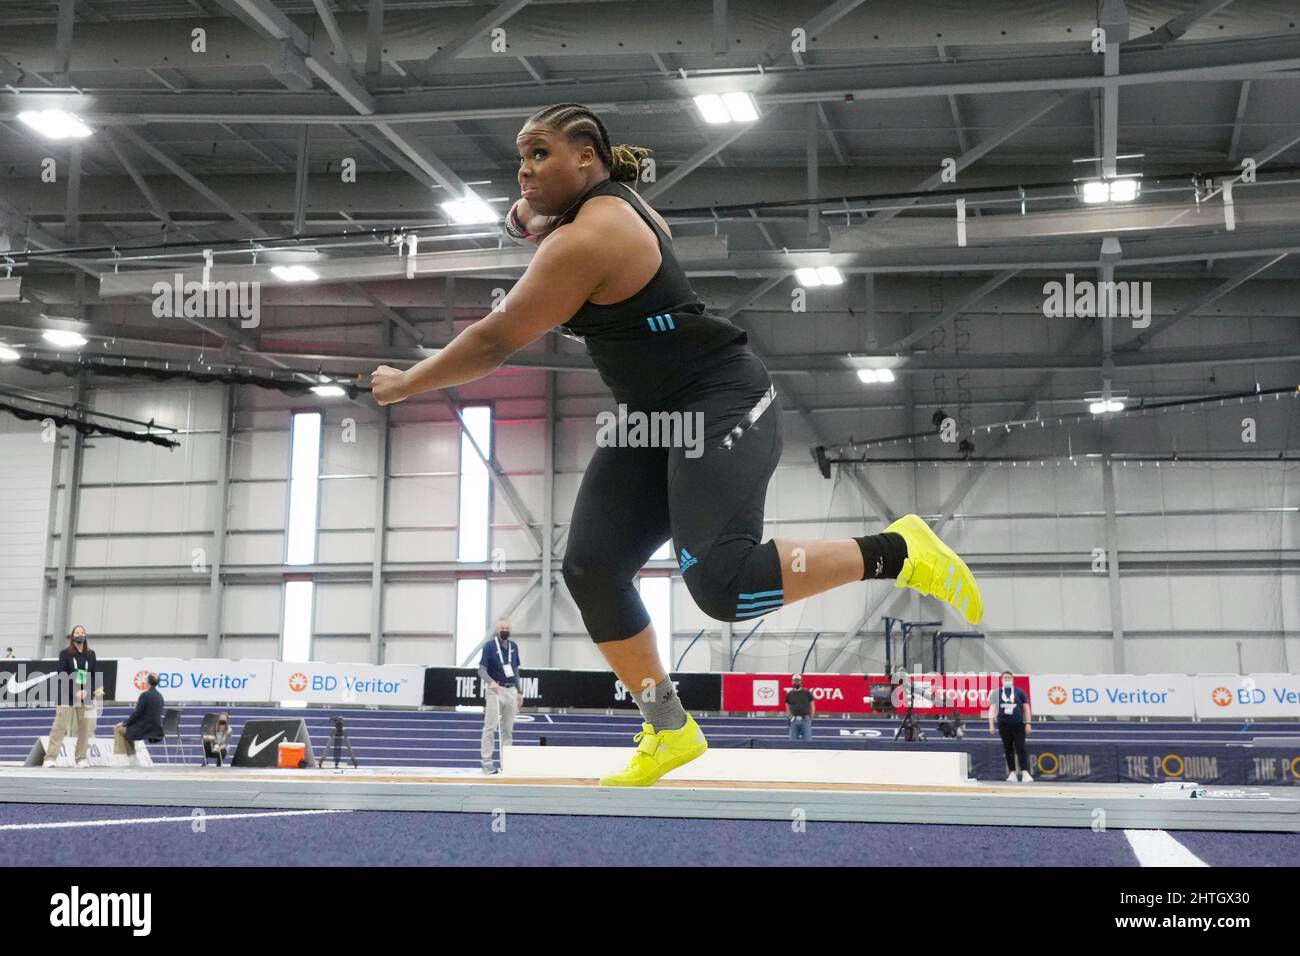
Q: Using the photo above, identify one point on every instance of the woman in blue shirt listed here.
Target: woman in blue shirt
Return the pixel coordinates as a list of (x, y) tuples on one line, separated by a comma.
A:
[(1009, 706)]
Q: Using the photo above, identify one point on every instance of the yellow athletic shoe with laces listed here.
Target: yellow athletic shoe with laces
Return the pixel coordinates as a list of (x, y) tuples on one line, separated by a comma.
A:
[(657, 753), (933, 568)]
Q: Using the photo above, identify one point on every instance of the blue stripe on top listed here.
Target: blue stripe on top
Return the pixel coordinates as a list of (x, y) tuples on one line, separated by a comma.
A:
[(776, 603), (779, 592)]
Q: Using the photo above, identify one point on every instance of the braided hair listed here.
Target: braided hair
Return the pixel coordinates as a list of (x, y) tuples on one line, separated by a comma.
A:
[(577, 122)]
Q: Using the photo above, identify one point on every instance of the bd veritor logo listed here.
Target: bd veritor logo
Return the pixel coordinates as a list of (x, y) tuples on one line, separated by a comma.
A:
[(102, 909)]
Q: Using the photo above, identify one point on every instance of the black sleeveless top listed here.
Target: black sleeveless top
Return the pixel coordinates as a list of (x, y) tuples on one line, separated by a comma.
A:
[(649, 347)]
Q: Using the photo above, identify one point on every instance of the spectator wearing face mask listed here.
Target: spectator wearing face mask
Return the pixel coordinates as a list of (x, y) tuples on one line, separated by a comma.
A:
[(498, 669), (75, 703), (800, 707), (1009, 707)]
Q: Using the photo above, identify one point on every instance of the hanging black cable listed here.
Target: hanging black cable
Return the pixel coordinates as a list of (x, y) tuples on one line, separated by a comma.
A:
[(120, 366), (65, 417)]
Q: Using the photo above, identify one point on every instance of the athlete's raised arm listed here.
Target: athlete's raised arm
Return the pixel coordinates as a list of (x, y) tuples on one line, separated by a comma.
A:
[(567, 268)]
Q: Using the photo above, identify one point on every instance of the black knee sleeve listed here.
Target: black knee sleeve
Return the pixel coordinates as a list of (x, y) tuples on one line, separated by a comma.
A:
[(737, 580), (611, 608)]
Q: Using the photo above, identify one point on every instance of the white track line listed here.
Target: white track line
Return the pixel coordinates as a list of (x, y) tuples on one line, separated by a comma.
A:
[(1158, 848), (70, 824)]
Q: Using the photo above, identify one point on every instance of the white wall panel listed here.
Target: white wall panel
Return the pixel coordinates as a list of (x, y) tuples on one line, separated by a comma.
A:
[(141, 551), (342, 608), (576, 652), (345, 547), (347, 503), (258, 506), (421, 546), (420, 606), (181, 646), (423, 651), (244, 549), (1083, 655), (261, 454), (424, 447), (251, 609), (419, 502), (349, 439), (138, 610), (241, 647), (26, 476), (340, 650), (1085, 602)]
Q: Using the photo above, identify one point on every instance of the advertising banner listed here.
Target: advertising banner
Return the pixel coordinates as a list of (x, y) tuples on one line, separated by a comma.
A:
[(1144, 763), (1249, 697), (590, 690), (201, 681), (1273, 766), (37, 683), (851, 693), (1111, 695), (368, 684)]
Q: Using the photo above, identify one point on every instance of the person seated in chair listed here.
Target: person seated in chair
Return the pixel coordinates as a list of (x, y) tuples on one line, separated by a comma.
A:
[(215, 735), (145, 723)]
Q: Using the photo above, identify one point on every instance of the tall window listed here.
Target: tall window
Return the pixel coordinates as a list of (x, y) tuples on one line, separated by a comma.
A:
[(304, 474), (656, 595), (475, 486), (471, 616), (300, 542), (473, 529), (295, 644)]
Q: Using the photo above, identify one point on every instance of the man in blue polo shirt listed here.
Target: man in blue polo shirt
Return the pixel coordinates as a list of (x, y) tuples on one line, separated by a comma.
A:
[(498, 669)]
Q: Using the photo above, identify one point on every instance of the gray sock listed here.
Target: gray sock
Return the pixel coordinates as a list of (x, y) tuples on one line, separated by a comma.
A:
[(661, 706)]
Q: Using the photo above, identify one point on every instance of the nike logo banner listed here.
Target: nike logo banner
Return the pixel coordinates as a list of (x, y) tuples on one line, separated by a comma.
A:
[(258, 737)]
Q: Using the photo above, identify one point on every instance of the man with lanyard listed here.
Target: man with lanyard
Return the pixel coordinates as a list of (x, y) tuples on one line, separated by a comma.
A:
[(498, 669), (800, 707), (1010, 707)]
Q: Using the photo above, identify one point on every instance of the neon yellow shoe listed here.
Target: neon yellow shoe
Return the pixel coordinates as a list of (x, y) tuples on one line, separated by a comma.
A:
[(933, 568), (659, 752)]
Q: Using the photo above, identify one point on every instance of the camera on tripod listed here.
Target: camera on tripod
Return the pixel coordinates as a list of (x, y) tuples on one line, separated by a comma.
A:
[(338, 740), (909, 729)]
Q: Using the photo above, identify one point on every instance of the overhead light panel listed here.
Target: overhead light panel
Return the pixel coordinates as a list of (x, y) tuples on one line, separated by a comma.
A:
[(1123, 190), (8, 355), (55, 124), (812, 277), (712, 109), (64, 339), (328, 391), (1113, 190), (740, 106), (867, 375), (294, 273), (735, 107), (884, 375), (1101, 408), (470, 211)]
